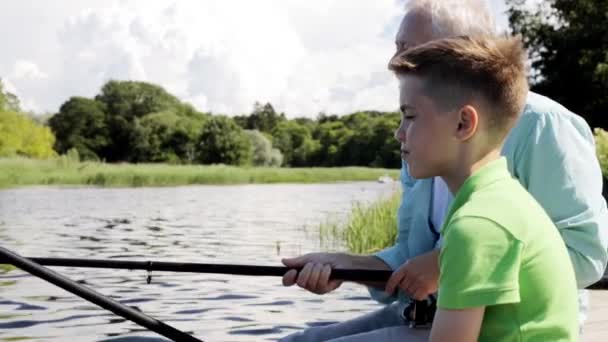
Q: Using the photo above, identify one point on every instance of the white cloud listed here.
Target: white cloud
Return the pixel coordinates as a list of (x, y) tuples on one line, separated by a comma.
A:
[(27, 70), (28, 75), (303, 56)]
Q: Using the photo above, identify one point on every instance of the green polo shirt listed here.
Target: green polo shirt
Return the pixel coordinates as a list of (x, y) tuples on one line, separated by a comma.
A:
[(502, 251)]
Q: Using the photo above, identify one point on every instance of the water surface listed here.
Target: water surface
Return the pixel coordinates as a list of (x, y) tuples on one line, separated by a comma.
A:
[(247, 224)]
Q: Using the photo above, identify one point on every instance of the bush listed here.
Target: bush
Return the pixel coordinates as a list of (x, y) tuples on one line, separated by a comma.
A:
[(20, 135), (262, 152), (222, 141), (601, 145)]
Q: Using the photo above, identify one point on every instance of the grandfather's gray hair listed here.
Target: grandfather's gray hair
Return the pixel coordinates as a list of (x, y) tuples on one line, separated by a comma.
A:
[(452, 18)]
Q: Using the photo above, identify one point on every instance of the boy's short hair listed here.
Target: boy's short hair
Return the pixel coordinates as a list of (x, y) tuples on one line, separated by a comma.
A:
[(461, 69)]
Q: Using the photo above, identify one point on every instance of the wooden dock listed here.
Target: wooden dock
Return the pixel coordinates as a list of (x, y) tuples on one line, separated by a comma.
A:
[(596, 327)]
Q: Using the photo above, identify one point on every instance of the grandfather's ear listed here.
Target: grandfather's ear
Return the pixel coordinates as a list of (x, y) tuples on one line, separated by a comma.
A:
[(468, 121)]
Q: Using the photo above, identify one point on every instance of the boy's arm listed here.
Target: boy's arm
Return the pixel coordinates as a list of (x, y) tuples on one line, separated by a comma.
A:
[(457, 325), (557, 164)]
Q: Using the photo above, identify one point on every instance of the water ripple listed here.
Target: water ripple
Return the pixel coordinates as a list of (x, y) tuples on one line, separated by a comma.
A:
[(29, 323)]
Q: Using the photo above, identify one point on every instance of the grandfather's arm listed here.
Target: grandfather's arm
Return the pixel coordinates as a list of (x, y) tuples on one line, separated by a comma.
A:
[(412, 214), (559, 167)]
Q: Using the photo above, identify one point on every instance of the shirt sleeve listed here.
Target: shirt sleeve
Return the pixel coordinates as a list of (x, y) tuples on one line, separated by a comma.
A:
[(479, 265), (397, 254), (394, 256), (558, 165)]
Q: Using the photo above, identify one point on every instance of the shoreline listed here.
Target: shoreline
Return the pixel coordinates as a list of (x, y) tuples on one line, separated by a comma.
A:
[(23, 172)]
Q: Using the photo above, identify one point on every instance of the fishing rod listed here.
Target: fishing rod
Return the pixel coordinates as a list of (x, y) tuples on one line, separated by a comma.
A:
[(361, 275), (94, 297), (35, 268), (248, 270)]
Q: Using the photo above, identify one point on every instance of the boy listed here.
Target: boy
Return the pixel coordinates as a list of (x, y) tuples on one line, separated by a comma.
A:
[(504, 270)]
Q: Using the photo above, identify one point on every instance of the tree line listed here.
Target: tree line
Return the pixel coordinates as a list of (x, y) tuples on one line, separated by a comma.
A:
[(137, 122)]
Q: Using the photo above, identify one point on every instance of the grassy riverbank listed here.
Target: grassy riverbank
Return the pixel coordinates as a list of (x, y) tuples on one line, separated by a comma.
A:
[(63, 171), (368, 228)]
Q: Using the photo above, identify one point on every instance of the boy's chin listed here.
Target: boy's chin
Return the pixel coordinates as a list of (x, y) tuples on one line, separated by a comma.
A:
[(419, 174)]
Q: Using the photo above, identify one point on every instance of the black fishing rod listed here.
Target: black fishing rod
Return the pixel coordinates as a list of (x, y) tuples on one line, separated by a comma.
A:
[(248, 270), (84, 292), (361, 275)]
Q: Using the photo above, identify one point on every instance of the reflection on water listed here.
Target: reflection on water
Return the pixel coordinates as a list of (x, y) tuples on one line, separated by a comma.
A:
[(251, 224)]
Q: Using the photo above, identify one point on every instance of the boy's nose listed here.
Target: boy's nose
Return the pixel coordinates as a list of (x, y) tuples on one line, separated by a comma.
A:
[(400, 134)]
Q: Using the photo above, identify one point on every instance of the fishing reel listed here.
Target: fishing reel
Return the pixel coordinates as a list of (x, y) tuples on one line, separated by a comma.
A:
[(420, 313)]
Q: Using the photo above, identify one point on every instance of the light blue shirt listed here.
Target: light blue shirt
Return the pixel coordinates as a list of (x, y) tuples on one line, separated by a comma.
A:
[(551, 151)]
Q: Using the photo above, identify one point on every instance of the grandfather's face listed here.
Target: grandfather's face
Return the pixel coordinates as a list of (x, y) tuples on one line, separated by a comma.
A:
[(416, 28)]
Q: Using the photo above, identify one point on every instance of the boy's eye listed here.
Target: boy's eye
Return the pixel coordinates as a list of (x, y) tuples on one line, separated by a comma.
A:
[(407, 114)]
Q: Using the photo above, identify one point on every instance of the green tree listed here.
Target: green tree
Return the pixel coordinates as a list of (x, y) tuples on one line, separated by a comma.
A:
[(223, 141), (387, 151), (168, 136), (81, 124), (20, 135), (323, 118), (333, 136), (568, 42), (263, 118), (126, 101), (295, 143), (358, 149), (131, 99), (601, 145), (186, 133), (263, 154), (310, 124)]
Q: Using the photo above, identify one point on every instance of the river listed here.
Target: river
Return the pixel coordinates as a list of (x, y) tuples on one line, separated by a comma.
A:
[(246, 224)]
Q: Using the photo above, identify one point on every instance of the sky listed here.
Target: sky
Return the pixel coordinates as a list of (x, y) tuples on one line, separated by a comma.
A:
[(303, 56)]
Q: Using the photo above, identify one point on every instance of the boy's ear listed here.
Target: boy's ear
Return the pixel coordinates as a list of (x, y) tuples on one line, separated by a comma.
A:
[(468, 120)]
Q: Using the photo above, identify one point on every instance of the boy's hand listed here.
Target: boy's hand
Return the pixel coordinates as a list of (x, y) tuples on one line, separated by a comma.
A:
[(418, 277), (316, 270)]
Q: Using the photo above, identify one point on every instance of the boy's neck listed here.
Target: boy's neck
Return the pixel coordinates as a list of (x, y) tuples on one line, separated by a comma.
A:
[(466, 168)]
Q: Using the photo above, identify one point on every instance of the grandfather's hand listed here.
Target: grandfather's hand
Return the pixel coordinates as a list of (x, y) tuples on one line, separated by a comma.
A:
[(316, 271), (418, 277)]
